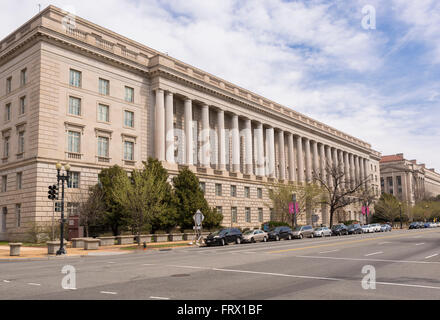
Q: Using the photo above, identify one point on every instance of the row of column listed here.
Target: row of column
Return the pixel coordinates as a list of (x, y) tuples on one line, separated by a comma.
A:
[(311, 156)]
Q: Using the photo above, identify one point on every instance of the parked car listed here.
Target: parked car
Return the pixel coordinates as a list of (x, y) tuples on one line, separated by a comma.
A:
[(354, 229), (279, 233), (322, 232), (224, 236), (416, 225), (254, 236), (376, 227), (304, 231), (385, 228), (367, 228), (339, 230)]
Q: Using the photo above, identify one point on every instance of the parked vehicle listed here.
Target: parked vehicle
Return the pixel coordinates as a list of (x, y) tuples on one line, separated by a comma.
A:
[(339, 230), (376, 227), (279, 233), (255, 236), (416, 225), (354, 229), (224, 236), (304, 231), (385, 228), (367, 228), (322, 232)]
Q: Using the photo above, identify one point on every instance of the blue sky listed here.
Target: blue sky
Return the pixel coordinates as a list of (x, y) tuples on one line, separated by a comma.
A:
[(380, 85)]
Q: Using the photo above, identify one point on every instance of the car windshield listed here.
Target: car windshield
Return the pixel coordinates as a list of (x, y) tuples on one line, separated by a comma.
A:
[(219, 232), (248, 232), (276, 229), (318, 229), (297, 229)]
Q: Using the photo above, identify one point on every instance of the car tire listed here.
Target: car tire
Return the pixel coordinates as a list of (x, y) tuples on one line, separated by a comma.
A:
[(252, 240), (301, 236), (277, 238), (238, 241), (264, 239), (312, 235), (289, 237), (223, 242)]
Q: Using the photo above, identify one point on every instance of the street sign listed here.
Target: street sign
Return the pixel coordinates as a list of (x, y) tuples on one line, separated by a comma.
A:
[(198, 218)]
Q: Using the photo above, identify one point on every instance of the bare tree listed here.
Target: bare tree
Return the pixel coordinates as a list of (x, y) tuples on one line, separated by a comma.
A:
[(339, 191), (91, 209), (367, 197)]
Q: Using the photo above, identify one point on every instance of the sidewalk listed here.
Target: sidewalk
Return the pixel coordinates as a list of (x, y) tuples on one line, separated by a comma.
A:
[(41, 252)]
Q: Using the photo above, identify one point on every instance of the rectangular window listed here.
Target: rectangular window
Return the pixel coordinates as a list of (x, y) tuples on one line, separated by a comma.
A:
[(129, 94), (8, 112), (73, 144), (22, 105), (104, 87), (103, 143), (260, 214), (18, 215), (19, 180), (23, 77), (128, 150), (219, 210), (6, 148), (103, 113), (218, 190), (233, 191), (203, 186), (260, 193), (75, 78), (248, 214), (8, 85), (247, 192), (129, 119), (21, 142), (74, 106), (72, 209), (4, 214), (73, 180), (234, 214), (272, 215), (4, 183)]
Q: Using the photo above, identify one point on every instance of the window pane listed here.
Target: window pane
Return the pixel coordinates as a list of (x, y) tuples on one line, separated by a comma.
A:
[(75, 78), (22, 105), (103, 113), (21, 142), (75, 106), (103, 146), (128, 150), (73, 142), (129, 94), (129, 119), (104, 87)]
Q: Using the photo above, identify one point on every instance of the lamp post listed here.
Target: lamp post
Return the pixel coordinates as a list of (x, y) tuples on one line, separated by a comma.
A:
[(61, 178), (400, 207), (294, 209)]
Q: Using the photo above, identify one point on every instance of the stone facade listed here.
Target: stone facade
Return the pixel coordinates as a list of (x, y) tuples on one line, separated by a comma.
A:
[(182, 115)]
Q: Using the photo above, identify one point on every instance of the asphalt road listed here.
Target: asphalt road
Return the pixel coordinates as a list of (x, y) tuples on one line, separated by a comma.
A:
[(406, 265)]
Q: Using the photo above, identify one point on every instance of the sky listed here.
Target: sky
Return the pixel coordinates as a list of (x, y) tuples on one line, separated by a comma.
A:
[(368, 68)]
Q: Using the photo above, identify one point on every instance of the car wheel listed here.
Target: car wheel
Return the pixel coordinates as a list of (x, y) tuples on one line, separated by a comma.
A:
[(277, 238), (238, 241), (264, 239), (289, 237), (252, 240), (223, 242), (301, 236), (312, 235)]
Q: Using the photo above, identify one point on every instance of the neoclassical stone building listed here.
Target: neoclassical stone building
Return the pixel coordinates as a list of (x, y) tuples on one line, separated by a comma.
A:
[(74, 92)]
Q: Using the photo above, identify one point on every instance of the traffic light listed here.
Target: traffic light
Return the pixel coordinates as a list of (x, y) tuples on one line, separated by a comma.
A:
[(53, 192)]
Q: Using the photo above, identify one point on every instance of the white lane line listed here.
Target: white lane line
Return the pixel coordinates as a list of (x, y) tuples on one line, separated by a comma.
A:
[(407, 285), (189, 267), (419, 244), (6, 281), (417, 237), (108, 292), (372, 254), (111, 262), (34, 284), (431, 256), (377, 260), (148, 264), (329, 251), (385, 242), (159, 298)]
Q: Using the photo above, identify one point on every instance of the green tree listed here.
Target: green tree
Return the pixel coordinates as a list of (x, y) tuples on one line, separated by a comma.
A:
[(189, 198), (387, 209)]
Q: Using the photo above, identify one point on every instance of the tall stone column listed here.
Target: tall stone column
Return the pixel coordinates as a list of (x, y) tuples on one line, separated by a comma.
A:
[(330, 165), (366, 174), (270, 156), (347, 170), (356, 164), (189, 148), (159, 140), (361, 170), (308, 160), (169, 127), (322, 161), (205, 148), (248, 146), (300, 156), (221, 140), (352, 170), (260, 150), (335, 157), (291, 157), (315, 158), (235, 144), (281, 155)]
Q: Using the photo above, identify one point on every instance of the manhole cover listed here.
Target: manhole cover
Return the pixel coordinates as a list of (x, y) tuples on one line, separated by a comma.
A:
[(180, 275)]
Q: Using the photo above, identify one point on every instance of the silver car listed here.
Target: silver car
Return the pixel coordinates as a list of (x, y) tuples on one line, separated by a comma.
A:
[(255, 236), (322, 232)]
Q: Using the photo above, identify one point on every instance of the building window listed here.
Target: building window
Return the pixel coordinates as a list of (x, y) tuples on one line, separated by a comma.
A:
[(219, 210), (19, 180), (21, 142), (103, 113), (272, 215), (103, 143), (104, 87), (23, 77), (22, 105), (8, 85), (72, 209), (233, 191), (8, 112), (218, 190), (6, 148), (260, 193), (4, 183), (73, 180), (75, 78), (234, 214), (260, 214), (203, 186), (128, 150), (18, 215), (129, 94), (248, 214), (74, 141), (247, 192), (74, 106), (3, 222), (129, 119)]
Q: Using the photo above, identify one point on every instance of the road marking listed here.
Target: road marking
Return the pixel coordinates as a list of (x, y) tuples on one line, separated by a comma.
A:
[(407, 285), (360, 259), (34, 284), (7, 281), (419, 244), (108, 292), (160, 298), (417, 237), (189, 267), (385, 242), (374, 253), (148, 264), (329, 251), (432, 256), (111, 262)]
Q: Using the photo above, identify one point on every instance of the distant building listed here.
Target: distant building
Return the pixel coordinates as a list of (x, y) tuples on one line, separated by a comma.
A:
[(408, 180)]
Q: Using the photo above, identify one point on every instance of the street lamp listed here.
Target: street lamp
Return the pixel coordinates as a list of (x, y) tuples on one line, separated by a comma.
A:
[(61, 178), (400, 207)]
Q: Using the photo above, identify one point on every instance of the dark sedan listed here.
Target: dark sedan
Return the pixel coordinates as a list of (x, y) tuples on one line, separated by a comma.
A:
[(354, 229), (279, 233), (224, 236), (339, 230)]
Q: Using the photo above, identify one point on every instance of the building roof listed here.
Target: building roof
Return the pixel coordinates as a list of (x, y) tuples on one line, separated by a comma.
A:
[(394, 157)]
